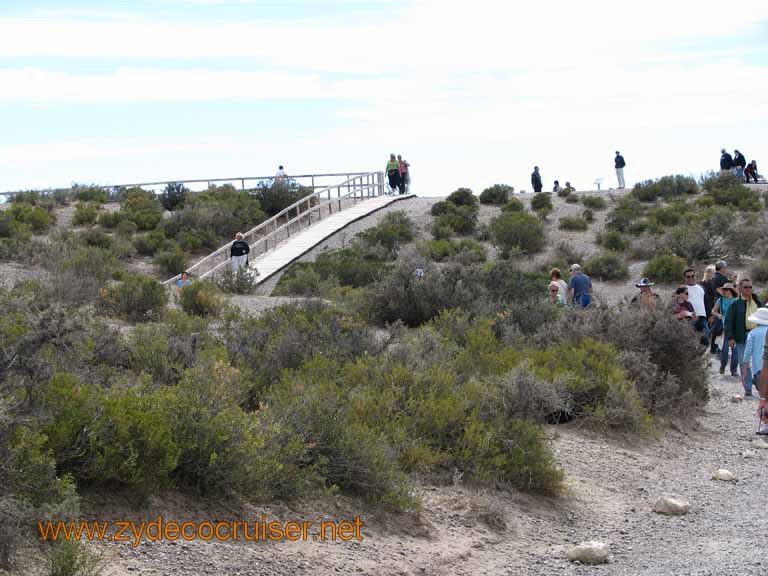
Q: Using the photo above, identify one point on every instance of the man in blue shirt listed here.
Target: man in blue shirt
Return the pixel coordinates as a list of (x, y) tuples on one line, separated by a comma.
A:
[(580, 287)]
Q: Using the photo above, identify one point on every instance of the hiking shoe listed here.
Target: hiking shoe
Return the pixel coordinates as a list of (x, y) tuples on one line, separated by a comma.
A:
[(735, 375), (763, 429), (722, 371), (748, 393)]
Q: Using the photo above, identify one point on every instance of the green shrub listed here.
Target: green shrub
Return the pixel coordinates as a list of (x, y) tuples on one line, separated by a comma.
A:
[(142, 208), (607, 266), (729, 190), (703, 238), (240, 281), (459, 219), (572, 223), (38, 219), (201, 298), (126, 229), (594, 202), (97, 238), (72, 558), (395, 229), (542, 202), (497, 194), (171, 261), (468, 251), (517, 232), (666, 188), (463, 197), (90, 193), (110, 219), (138, 299), (613, 240), (564, 192), (513, 205), (273, 197), (173, 196), (572, 198), (302, 279), (588, 215), (667, 215), (85, 213), (440, 250), (759, 271), (627, 211), (665, 267)]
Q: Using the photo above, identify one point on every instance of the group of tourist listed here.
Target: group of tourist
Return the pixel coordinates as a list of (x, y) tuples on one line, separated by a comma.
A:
[(619, 164), (737, 165), (398, 174)]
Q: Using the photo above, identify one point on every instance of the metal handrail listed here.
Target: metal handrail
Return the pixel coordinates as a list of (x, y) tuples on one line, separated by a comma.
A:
[(208, 181), (363, 185)]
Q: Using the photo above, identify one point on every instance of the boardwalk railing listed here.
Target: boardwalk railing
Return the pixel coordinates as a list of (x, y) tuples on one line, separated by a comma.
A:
[(317, 206)]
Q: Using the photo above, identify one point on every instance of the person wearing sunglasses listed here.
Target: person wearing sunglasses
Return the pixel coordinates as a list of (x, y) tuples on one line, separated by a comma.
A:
[(738, 326), (681, 308)]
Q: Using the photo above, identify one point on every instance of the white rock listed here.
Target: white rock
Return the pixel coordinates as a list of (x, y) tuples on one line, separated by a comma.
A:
[(759, 443), (592, 552), (736, 398), (748, 454), (671, 506), (724, 475)]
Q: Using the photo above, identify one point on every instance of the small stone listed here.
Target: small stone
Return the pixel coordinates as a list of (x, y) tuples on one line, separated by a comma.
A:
[(724, 475), (760, 444), (748, 454), (671, 506), (592, 552), (736, 398)]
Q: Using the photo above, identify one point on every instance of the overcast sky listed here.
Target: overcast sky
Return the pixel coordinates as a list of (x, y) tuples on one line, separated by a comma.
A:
[(471, 93)]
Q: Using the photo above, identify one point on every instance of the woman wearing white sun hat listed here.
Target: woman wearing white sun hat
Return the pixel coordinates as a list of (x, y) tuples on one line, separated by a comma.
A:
[(753, 351)]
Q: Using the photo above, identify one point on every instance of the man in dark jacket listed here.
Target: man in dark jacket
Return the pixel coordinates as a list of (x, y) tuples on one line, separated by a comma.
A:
[(619, 163), (726, 163), (239, 252), (737, 326), (536, 180)]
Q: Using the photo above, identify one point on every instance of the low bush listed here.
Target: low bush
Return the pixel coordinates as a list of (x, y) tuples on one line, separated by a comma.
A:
[(85, 213), (170, 261), (759, 271), (607, 266), (90, 193), (665, 267), (142, 208), (467, 251), (110, 219), (463, 197), (126, 229), (729, 190), (594, 202), (588, 215), (173, 196), (38, 219), (564, 192), (513, 205), (240, 281), (137, 299), (667, 187), (97, 238), (572, 198), (542, 203), (497, 194), (613, 240), (459, 219), (572, 223), (515, 232), (274, 197), (201, 298), (627, 211), (394, 230)]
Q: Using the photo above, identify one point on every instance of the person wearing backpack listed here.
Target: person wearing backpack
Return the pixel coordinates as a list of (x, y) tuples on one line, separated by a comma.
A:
[(619, 164)]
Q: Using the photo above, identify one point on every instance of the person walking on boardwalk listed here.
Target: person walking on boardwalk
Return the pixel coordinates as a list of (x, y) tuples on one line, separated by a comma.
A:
[(536, 180), (619, 164), (239, 252), (405, 176), (393, 174)]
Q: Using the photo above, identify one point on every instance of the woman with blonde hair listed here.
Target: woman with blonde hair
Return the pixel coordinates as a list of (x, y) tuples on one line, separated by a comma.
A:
[(556, 278)]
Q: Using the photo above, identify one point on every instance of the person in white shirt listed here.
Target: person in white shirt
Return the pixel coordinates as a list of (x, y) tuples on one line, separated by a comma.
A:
[(281, 175), (696, 298)]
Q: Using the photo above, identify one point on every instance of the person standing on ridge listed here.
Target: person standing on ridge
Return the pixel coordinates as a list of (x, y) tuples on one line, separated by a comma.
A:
[(281, 175), (739, 163), (619, 164), (536, 180), (239, 252), (726, 163), (405, 177), (393, 174)]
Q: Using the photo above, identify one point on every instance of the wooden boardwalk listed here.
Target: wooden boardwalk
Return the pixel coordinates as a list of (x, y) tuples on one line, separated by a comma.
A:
[(302, 242)]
